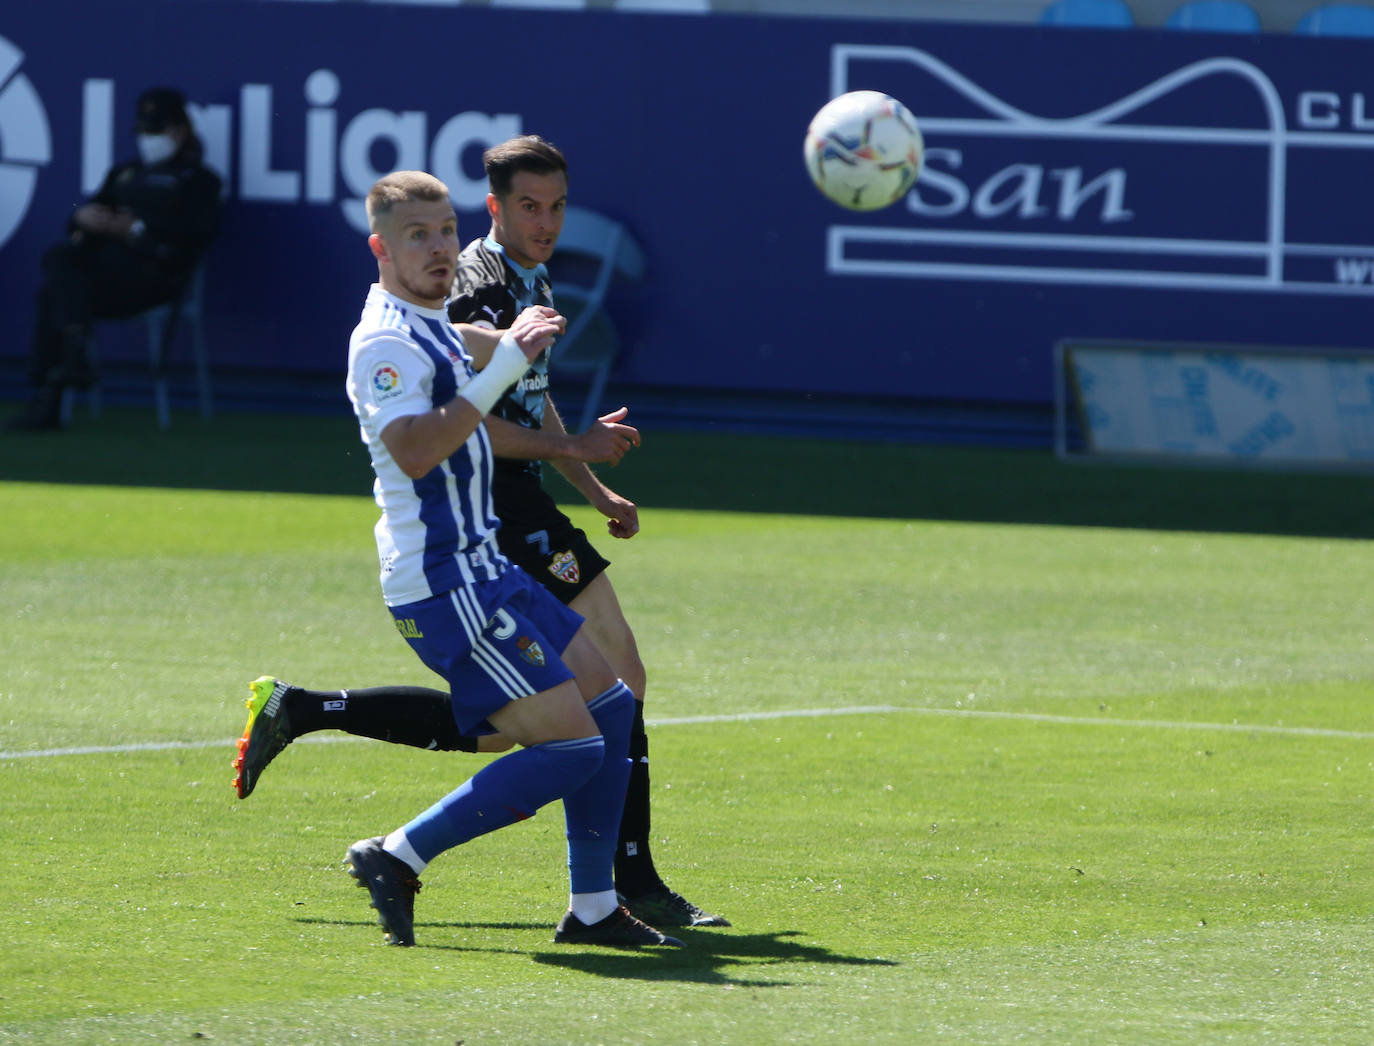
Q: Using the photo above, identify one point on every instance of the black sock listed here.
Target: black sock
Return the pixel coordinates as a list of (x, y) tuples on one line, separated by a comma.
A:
[(404, 715), (634, 863)]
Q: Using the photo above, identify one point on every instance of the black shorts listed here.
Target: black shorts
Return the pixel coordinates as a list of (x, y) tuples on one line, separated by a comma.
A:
[(543, 541)]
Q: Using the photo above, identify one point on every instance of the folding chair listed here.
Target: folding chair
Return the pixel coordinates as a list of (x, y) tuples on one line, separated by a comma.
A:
[(591, 343), (163, 322)]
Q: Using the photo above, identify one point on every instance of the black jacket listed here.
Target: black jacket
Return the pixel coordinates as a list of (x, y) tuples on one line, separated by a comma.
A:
[(178, 202)]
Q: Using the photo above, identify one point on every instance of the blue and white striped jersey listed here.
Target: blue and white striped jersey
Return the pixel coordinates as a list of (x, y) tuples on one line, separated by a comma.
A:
[(436, 533)]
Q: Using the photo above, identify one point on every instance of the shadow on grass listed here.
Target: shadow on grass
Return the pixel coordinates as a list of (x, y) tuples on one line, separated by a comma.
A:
[(708, 957), (321, 454)]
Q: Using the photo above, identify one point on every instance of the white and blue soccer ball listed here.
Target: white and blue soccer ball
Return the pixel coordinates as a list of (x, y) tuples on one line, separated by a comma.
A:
[(864, 150)]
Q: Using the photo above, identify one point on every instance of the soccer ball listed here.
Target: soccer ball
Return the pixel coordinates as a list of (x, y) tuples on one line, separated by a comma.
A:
[(864, 150)]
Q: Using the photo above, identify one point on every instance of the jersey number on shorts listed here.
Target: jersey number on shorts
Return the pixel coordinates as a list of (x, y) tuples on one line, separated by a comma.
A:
[(505, 625)]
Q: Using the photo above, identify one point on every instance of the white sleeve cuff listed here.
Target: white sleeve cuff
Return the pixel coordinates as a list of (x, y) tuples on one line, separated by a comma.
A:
[(507, 366)]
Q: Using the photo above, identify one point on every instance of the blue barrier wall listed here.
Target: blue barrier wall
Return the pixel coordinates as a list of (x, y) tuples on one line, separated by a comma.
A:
[(1099, 184)]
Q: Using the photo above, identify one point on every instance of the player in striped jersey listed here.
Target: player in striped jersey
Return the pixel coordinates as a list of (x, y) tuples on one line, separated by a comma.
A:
[(500, 275), (516, 660)]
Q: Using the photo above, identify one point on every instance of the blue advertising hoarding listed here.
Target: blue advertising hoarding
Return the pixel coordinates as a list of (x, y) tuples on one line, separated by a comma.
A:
[(1087, 184)]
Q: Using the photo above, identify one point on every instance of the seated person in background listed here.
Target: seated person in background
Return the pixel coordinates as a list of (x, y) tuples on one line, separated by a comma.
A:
[(131, 247)]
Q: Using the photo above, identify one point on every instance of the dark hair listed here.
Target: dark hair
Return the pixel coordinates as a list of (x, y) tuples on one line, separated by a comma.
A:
[(528, 153), (163, 107)]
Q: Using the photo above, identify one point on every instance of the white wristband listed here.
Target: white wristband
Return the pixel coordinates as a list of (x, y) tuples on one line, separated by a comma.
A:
[(506, 366)]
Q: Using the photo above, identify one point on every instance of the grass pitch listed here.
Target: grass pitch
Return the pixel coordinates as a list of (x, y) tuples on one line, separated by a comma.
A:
[(960, 767)]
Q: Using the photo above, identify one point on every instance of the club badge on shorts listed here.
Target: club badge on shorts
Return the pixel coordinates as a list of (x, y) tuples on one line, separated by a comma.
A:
[(564, 567), (531, 651)]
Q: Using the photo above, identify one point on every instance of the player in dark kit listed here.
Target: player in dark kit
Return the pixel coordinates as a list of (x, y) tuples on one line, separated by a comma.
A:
[(498, 277)]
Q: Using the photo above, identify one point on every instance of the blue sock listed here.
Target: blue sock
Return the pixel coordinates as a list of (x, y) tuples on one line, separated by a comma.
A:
[(593, 810), (508, 790)]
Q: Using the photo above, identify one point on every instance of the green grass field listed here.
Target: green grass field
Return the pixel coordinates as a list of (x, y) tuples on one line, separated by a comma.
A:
[(971, 746)]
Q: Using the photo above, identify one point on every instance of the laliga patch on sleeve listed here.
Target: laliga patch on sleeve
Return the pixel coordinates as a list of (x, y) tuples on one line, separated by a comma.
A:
[(386, 382)]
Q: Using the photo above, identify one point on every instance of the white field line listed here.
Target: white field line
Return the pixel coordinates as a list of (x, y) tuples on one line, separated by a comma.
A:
[(1033, 717), (801, 713)]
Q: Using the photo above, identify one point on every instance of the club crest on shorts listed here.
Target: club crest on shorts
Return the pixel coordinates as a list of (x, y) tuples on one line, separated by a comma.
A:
[(564, 567), (531, 651)]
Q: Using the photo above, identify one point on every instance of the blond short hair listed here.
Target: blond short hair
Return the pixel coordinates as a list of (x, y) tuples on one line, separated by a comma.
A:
[(401, 187)]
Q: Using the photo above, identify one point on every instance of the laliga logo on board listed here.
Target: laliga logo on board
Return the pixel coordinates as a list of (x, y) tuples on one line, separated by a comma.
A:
[(25, 141), (335, 165)]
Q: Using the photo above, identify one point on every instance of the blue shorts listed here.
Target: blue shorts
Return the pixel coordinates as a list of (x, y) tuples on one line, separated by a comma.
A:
[(494, 641)]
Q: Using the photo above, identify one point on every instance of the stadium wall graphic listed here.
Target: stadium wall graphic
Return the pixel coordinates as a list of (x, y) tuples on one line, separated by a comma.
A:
[(1146, 186), (1253, 244)]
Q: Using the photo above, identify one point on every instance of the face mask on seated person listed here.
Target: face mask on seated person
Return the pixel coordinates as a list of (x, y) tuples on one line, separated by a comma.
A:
[(156, 148)]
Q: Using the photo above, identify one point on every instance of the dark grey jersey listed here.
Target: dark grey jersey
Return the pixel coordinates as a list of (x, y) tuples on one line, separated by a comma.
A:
[(489, 290)]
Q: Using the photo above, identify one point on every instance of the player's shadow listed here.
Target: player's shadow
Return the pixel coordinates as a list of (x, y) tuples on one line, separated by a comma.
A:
[(710, 956), (422, 926)]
